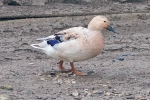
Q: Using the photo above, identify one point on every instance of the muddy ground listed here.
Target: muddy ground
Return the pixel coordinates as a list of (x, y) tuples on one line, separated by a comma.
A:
[(121, 72)]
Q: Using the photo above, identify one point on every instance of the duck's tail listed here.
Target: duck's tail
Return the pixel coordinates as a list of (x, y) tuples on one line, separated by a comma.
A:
[(41, 45)]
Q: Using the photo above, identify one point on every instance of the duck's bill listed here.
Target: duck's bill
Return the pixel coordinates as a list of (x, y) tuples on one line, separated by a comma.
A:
[(111, 29)]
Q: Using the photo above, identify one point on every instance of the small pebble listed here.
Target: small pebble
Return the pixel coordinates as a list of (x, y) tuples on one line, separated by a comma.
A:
[(75, 93), (30, 64), (86, 91), (100, 92), (73, 82), (143, 99), (148, 93), (100, 84), (6, 87), (114, 91), (5, 97), (130, 97), (104, 85), (120, 59), (39, 74), (107, 93), (42, 79), (128, 94), (120, 95), (95, 91), (113, 60), (59, 81)]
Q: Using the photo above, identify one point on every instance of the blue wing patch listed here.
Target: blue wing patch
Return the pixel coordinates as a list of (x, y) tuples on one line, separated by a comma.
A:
[(56, 40), (53, 42)]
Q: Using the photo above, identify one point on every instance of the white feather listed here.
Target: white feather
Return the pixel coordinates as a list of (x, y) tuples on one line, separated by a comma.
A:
[(46, 38)]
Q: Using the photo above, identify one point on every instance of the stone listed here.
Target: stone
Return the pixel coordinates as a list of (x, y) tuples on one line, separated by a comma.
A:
[(30, 64), (148, 93), (5, 97), (6, 87), (107, 93), (100, 92), (95, 91), (143, 99), (42, 79), (129, 97), (86, 91), (75, 93), (120, 58), (73, 82), (59, 81)]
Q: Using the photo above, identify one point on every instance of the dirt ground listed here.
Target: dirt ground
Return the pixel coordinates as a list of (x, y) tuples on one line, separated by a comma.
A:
[(120, 72)]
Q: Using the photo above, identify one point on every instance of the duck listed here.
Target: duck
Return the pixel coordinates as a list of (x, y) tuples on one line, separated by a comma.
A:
[(76, 44)]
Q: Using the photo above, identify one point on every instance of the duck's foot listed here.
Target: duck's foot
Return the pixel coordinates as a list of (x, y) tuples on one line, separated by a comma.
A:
[(63, 69), (80, 73), (75, 71)]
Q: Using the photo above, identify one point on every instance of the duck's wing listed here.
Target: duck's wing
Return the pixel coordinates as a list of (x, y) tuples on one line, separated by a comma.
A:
[(63, 36), (67, 35)]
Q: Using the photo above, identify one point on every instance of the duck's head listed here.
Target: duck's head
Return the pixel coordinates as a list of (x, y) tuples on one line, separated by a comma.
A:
[(100, 23)]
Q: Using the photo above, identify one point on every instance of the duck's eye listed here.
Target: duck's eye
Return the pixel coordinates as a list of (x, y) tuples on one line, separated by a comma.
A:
[(104, 21)]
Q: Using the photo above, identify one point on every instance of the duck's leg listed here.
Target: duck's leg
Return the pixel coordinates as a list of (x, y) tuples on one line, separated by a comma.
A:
[(75, 71), (61, 68)]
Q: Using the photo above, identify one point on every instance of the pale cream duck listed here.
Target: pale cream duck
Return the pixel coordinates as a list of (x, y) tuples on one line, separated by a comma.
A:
[(76, 44)]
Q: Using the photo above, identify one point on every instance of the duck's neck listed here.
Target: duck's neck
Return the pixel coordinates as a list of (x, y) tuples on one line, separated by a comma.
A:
[(94, 27)]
